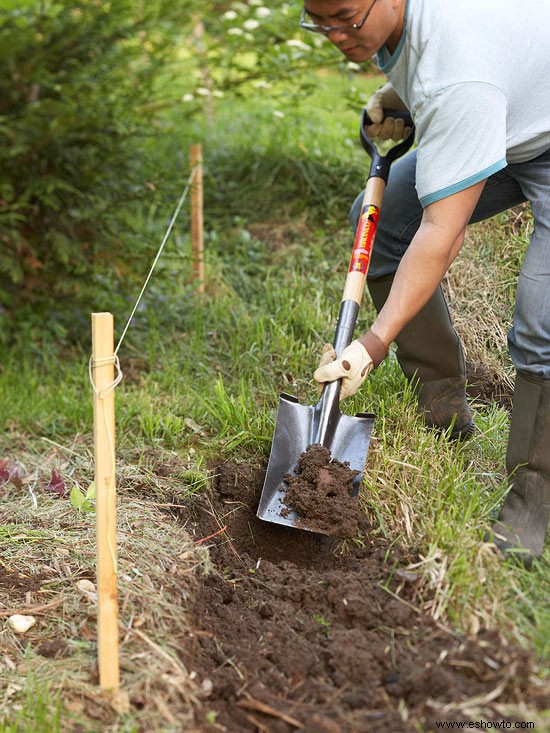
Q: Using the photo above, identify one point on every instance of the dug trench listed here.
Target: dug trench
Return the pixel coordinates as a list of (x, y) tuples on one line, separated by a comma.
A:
[(298, 631)]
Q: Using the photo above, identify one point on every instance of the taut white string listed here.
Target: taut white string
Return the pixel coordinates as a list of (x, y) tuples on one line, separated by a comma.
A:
[(165, 238)]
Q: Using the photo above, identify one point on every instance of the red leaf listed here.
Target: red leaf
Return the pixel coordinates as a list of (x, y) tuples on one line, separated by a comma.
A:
[(9, 472), (4, 473), (56, 484)]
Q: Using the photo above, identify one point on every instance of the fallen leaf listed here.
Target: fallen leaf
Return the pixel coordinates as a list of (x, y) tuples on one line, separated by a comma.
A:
[(4, 474), (56, 484), (74, 705), (9, 472)]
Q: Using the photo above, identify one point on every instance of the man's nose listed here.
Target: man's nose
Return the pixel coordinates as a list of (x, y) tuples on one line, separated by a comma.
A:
[(335, 35)]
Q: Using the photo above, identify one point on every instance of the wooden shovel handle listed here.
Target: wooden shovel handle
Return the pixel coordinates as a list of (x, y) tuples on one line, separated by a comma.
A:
[(364, 239)]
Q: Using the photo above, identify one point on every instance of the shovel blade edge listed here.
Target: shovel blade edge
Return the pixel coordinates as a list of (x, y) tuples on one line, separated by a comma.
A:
[(295, 431)]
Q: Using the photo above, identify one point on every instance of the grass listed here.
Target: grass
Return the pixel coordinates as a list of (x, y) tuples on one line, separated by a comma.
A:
[(39, 713), (49, 692), (203, 374)]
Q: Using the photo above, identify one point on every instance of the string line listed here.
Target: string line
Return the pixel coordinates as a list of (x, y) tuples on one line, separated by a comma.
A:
[(103, 393), (165, 238), (106, 361)]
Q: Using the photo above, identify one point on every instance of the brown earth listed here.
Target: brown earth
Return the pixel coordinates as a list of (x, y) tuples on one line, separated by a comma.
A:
[(294, 631), (487, 386), (320, 490), (17, 584)]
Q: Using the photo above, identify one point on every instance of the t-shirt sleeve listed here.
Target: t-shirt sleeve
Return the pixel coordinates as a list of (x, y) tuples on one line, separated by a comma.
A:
[(461, 134)]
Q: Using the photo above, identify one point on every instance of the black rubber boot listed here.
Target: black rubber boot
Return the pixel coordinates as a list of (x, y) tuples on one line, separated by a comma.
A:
[(431, 356), (525, 514)]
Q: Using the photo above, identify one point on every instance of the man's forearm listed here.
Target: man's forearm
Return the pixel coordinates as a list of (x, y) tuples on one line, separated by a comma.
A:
[(429, 256), (420, 272)]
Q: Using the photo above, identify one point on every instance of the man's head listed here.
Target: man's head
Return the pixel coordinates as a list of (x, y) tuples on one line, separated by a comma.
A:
[(359, 28)]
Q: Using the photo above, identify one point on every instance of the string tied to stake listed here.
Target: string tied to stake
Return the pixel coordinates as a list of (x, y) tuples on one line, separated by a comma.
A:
[(98, 363)]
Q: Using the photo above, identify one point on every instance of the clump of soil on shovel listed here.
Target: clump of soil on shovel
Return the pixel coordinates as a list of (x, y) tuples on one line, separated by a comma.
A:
[(321, 492), (294, 631)]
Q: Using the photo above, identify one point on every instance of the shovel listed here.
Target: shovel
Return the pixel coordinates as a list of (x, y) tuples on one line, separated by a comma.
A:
[(299, 426)]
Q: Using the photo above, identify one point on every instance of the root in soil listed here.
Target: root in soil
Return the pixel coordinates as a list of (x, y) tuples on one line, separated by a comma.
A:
[(297, 631)]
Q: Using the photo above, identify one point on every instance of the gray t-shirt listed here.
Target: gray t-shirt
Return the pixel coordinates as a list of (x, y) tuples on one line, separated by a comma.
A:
[(475, 75)]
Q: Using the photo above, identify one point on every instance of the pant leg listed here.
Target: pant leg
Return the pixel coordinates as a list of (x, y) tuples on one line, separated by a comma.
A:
[(529, 337)]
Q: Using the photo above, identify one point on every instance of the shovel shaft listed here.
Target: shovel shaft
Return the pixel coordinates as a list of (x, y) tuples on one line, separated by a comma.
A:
[(353, 292), (364, 239)]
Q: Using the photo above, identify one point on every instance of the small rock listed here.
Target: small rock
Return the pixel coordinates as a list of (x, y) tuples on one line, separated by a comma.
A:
[(207, 686), (21, 624), (88, 589)]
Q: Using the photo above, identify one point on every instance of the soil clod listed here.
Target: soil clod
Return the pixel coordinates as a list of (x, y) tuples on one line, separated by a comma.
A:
[(321, 492)]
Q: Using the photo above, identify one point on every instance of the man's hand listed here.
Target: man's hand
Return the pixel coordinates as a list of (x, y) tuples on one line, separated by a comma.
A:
[(352, 367), (390, 128)]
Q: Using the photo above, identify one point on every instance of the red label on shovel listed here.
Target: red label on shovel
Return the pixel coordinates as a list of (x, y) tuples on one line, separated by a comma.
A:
[(360, 257)]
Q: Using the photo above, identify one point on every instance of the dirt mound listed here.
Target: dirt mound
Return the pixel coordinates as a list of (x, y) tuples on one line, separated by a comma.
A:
[(487, 386), (321, 492), (296, 631)]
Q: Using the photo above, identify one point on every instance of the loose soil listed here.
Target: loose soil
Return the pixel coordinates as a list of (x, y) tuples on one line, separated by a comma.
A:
[(321, 492), (294, 631), (486, 386), (17, 585)]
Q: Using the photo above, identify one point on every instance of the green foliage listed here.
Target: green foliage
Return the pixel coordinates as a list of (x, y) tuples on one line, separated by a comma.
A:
[(87, 93), (249, 48), (76, 86), (41, 711), (83, 502)]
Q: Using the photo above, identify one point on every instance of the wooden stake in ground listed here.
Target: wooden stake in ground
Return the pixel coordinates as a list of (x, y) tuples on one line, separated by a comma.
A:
[(197, 218), (103, 376)]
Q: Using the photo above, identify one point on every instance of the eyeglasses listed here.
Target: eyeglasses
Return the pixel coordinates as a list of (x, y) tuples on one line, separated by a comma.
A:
[(326, 29)]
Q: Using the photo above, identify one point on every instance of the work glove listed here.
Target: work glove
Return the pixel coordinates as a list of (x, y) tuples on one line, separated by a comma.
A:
[(328, 355), (390, 128), (352, 367)]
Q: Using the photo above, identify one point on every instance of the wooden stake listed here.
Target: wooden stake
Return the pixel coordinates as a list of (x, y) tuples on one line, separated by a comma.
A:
[(197, 221), (103, 374)]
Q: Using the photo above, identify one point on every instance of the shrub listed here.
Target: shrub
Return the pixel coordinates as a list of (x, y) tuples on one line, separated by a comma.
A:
[(76, 84)]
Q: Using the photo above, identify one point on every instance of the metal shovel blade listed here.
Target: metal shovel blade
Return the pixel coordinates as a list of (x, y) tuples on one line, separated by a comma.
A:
[(299, 426)]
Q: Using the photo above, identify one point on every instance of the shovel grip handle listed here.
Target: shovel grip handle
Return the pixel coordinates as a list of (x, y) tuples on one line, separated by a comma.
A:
[(381, 163), (368, 224)]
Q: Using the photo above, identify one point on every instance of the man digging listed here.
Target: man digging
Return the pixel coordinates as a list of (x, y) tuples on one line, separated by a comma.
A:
[(474, 76)]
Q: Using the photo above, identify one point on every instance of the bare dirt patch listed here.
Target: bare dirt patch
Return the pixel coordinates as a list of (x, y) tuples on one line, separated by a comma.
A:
[(18, 584), (235, 625), (485, 385), (297, 631)]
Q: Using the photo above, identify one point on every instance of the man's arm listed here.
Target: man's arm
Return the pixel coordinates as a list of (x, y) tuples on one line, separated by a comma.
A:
[(429, 256), (431, 252)]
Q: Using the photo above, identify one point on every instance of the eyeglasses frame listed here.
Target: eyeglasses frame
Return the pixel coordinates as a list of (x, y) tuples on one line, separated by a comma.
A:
[(326, 29)]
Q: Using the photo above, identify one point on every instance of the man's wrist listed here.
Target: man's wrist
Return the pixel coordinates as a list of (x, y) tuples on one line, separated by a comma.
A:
[(375, 346)]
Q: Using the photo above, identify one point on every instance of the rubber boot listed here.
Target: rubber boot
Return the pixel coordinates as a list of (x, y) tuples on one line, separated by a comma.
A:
[(525, 514), (431, 356)]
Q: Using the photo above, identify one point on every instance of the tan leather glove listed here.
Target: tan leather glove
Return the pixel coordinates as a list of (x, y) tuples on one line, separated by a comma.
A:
[(352, 367), (390, 128), (328, 355)]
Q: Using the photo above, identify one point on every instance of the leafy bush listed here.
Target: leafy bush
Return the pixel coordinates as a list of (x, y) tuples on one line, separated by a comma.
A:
[(92, 94), (76, 84)]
